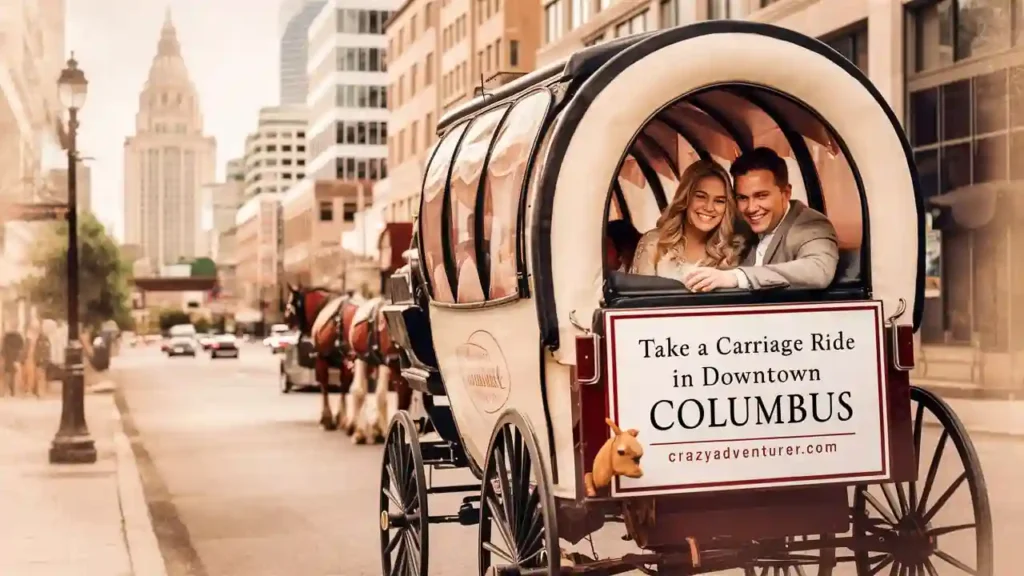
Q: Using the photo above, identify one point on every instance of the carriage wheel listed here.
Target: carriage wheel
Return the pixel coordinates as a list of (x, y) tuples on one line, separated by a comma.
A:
[(806, 563), (515, 497), (910, 514), (404, 519)]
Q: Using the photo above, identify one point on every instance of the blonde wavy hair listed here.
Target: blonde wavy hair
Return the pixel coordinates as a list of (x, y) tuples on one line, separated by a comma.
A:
[(724, 246)]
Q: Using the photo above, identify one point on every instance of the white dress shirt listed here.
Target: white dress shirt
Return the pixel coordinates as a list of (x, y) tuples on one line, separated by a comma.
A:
[(764, 240)]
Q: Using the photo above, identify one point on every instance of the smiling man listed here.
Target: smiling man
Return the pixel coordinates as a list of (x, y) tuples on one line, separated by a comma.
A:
[(795, 245)]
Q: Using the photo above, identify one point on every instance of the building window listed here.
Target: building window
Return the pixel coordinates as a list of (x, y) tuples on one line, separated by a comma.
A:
[(580, 13), (669, 13), (719, 9), (348, 211), (853, 45), (953, 30), (326, 211), (767, 3), (513, 53), (554, 21), (428, 69)]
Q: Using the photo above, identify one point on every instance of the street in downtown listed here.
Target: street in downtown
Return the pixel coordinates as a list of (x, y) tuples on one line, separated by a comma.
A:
[(240, 479)]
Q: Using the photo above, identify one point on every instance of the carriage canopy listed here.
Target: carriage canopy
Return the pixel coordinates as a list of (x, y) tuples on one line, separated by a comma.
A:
[(523, 182)]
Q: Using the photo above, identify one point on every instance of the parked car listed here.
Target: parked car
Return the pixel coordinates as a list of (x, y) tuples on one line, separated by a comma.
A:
[(181, 346), (206, 340), (278, 343), (223, 346), (297, 368)]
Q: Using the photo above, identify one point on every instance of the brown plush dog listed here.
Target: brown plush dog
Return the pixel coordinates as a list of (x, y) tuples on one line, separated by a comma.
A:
[(620, 456)]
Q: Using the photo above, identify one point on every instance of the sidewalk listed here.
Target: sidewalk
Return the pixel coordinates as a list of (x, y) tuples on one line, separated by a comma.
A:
[(71, 520), (984, 411)]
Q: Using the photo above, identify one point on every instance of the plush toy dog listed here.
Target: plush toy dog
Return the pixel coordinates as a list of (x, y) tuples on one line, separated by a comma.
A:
[(620, 456)]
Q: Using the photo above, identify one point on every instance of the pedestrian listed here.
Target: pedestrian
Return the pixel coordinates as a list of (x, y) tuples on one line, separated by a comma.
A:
[(11, 349), (41, 361)]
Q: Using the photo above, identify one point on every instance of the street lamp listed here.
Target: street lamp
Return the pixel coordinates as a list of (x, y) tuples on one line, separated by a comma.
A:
[(73, 444)]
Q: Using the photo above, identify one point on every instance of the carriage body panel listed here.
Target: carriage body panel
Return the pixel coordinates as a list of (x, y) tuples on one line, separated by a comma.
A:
[(490, 361)]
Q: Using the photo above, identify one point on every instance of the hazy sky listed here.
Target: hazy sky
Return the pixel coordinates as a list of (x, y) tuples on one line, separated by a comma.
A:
[(229, 46)]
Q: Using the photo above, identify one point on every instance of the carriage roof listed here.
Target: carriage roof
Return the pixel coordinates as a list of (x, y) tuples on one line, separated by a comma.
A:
[(714, 85)]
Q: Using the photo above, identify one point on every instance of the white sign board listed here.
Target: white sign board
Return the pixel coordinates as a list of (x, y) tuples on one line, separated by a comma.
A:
[(750, 396)]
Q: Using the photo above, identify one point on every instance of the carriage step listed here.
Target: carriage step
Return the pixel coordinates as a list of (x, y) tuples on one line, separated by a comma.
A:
[(469, 515), (454, 489)]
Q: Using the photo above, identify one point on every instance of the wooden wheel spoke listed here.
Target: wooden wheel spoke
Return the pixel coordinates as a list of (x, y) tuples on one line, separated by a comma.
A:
[(932, 470), (936, 532), (874, 503), (393, 542), (945, 497), (891, 501), (930, 567), (901, 495), (880, 566), (490, 547), (502, 473), (511, 472), (394, 499), (530, 514), (413, 559), (954, 562), (497, 510), (400, 559), (533, 537)]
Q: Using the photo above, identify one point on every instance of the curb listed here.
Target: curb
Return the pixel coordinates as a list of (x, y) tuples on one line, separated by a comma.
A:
[(140, 537), (971, 392)]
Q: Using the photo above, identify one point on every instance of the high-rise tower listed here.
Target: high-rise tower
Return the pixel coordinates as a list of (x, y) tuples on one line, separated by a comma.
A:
[(167, 160)]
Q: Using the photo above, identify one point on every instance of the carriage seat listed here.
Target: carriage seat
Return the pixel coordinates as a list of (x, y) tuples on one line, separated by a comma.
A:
[(848, 268)]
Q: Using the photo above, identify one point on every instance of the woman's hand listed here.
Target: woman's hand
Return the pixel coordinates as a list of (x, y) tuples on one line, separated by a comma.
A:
[(707, 279)]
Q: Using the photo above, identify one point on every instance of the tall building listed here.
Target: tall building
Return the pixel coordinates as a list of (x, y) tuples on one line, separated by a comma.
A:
[(347, 99), (275, 154), (57, 184), (31, 57), (167, 161), (440, 53), (296, 16)]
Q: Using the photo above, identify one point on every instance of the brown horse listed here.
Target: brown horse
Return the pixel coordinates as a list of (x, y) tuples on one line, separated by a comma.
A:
[(352, 336)]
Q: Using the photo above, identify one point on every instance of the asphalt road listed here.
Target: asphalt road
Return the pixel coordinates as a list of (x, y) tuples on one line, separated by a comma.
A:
[(242, 482)]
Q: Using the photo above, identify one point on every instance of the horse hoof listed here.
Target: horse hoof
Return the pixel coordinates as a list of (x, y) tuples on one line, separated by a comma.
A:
[(328, 424), (378, 438), (358, 439)]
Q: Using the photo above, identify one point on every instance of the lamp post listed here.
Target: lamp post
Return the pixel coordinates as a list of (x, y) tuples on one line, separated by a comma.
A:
[(73, 444)]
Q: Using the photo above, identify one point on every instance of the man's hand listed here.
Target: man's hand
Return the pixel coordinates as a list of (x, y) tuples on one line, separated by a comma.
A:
[(708, 279)]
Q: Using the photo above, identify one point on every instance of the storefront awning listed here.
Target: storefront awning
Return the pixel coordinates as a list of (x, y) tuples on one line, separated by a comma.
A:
[(974, 206)]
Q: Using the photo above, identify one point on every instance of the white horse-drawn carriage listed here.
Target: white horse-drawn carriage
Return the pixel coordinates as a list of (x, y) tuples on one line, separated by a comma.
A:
[(776, 427)]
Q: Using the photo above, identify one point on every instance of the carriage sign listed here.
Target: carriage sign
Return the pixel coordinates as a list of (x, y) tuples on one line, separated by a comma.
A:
[(750, 396)]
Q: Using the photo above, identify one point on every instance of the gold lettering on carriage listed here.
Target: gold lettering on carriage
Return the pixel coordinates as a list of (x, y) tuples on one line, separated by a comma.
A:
[(484, 371), (747, 396)]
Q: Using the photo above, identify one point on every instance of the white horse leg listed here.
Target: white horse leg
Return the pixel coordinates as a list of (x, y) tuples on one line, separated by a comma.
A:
[(358, 393), (382, 393)]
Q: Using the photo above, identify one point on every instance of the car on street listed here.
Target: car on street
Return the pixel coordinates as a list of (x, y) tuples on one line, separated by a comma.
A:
[(181, 346), (279, 343), (206, 340), (223, 346)]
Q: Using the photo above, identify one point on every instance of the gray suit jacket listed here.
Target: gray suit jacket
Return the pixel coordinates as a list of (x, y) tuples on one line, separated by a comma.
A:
[(803, 253)]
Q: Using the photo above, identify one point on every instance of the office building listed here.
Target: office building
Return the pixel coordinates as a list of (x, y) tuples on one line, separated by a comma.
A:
[(167, 160), (296, 16), (441, 53)]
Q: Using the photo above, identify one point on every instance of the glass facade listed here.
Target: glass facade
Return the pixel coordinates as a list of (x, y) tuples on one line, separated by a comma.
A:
[(294, 53), (965, 121)]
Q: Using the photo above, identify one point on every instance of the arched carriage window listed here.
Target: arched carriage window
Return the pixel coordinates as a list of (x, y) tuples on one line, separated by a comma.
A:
[(503, 188), (432, 213), (720, 123), (465, 182), (479, 168)]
